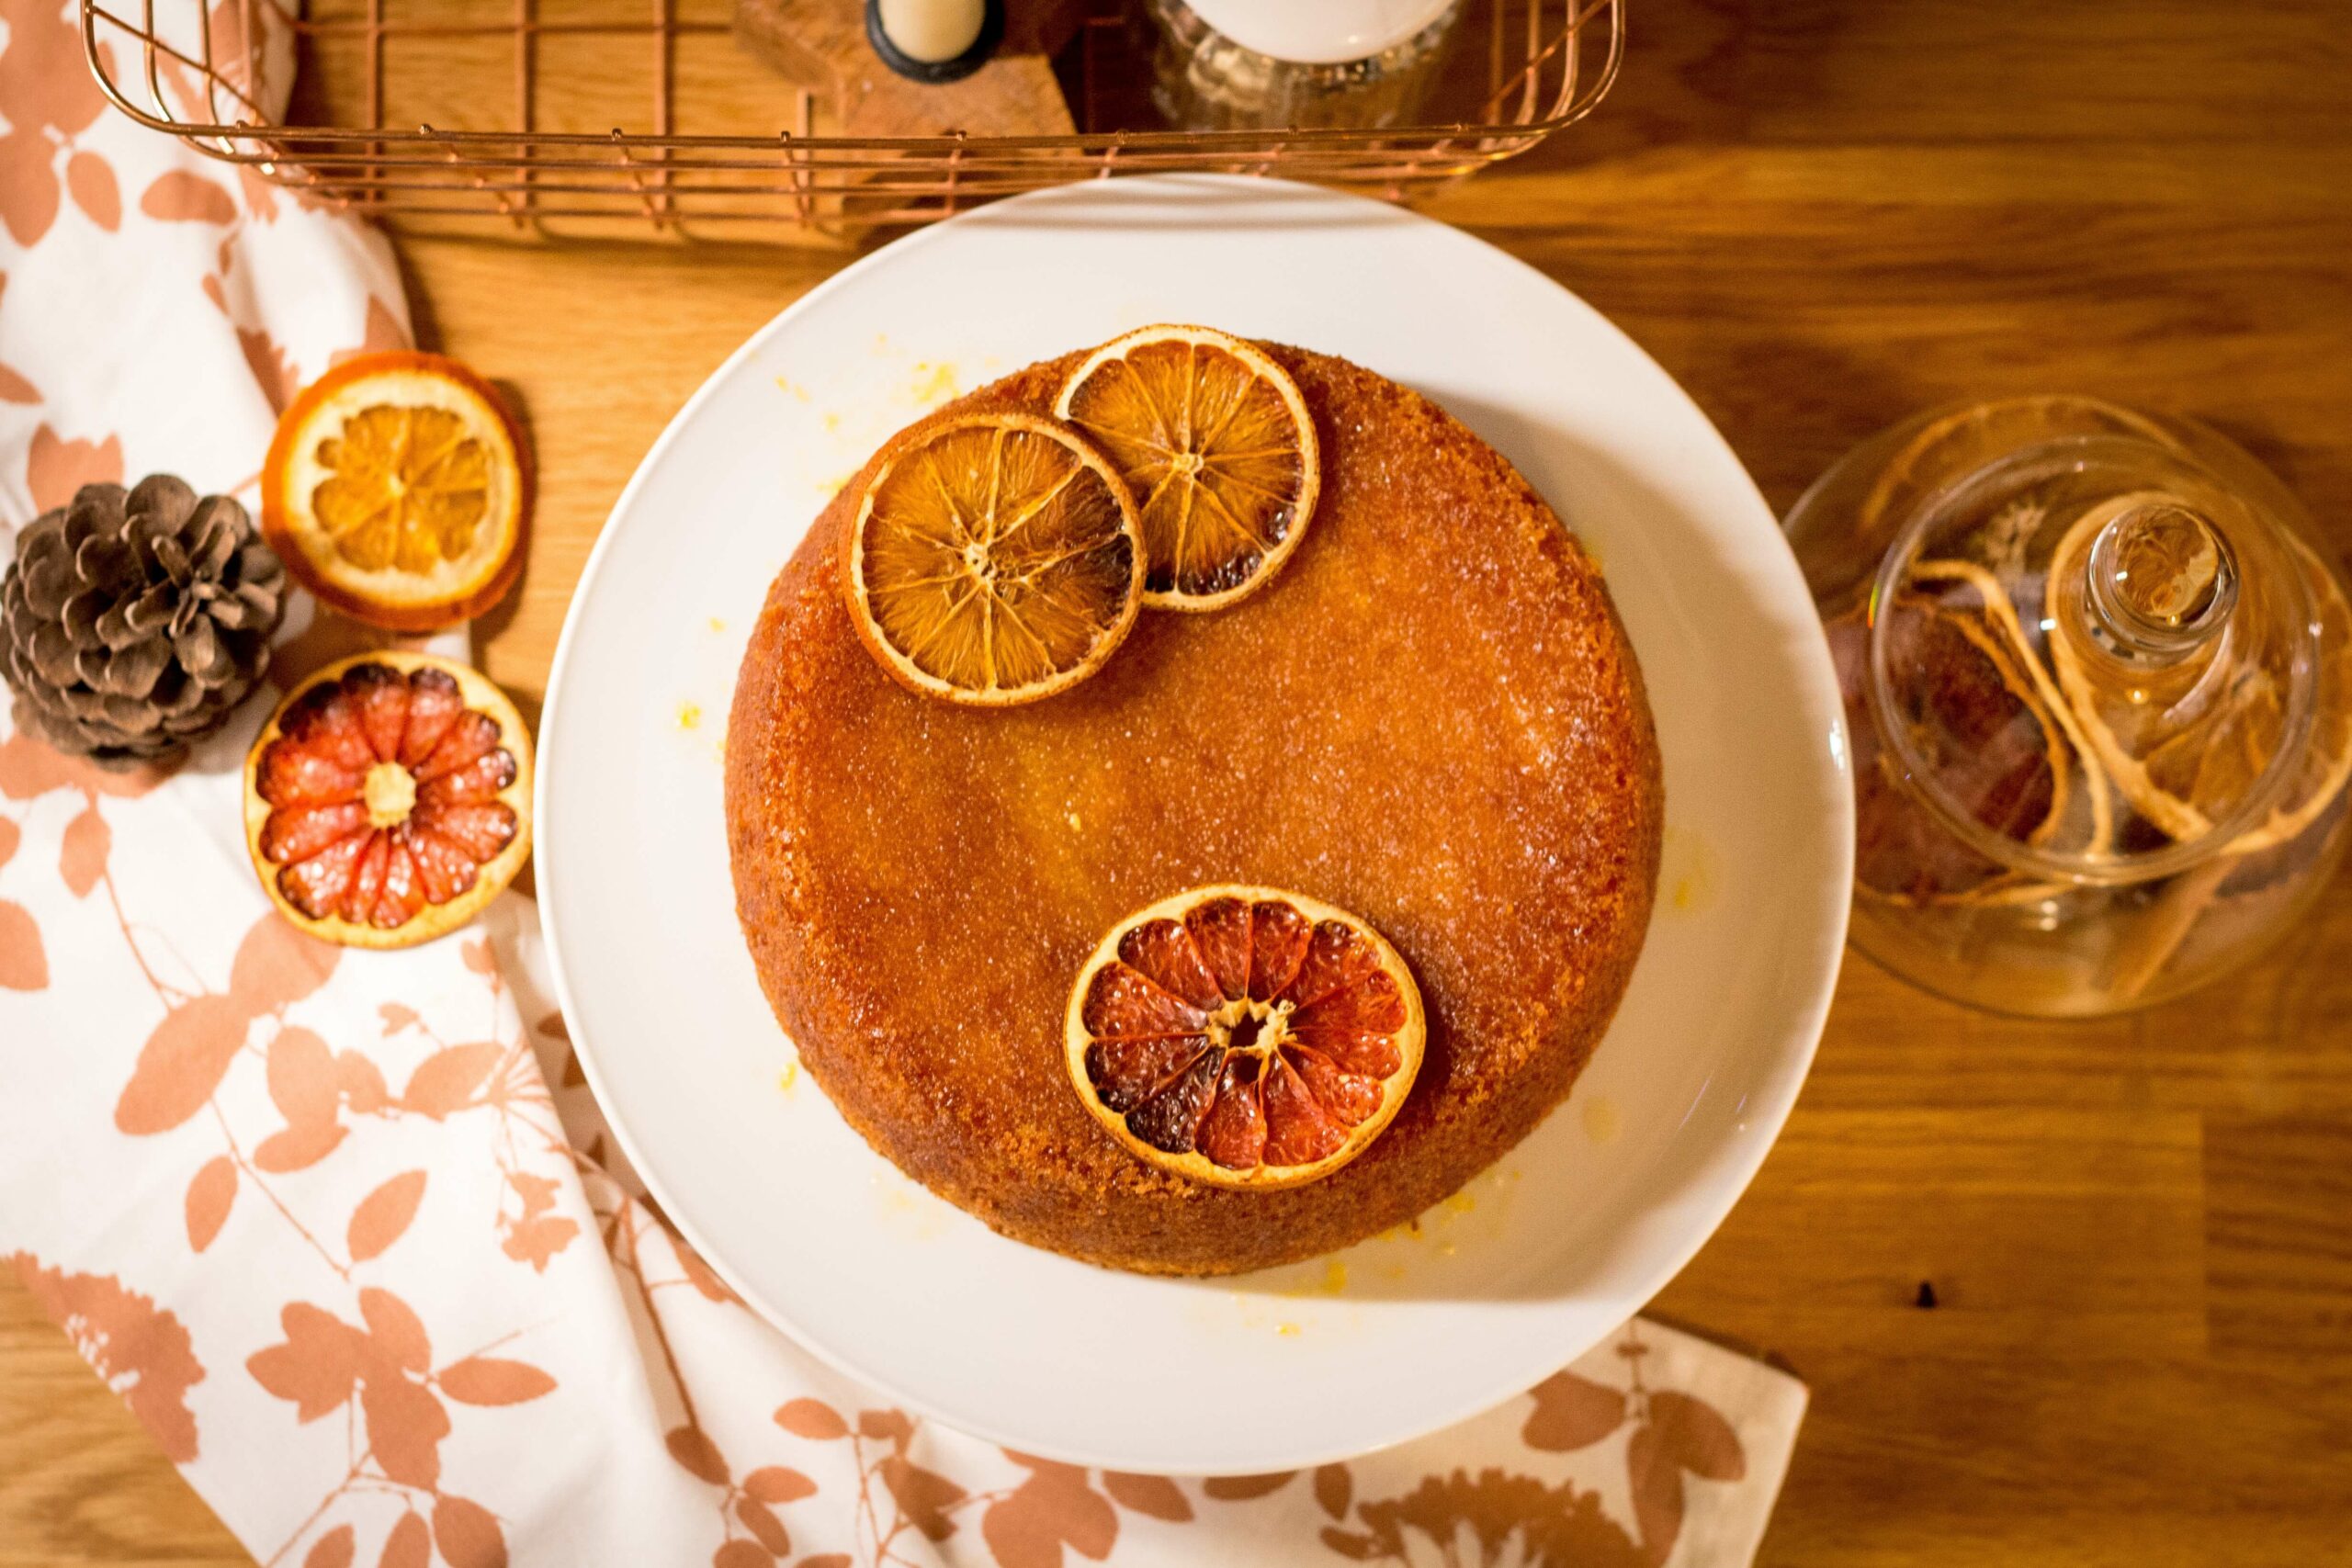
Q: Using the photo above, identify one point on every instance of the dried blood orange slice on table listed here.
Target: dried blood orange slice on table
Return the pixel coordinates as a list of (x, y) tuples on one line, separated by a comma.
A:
[(397, 490), (994, 559), (388, 799), (1244, 1036), (1215, 440)]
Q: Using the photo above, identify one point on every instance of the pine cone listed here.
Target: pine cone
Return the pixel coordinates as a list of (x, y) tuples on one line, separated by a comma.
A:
[(135, 621)]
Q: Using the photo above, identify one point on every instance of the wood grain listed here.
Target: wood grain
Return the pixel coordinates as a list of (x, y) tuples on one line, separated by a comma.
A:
[(1819, 215), (80, 1481)]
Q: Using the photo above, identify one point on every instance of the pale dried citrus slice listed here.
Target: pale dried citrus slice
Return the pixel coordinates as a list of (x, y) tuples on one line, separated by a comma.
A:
[(388, 799), (1244, 1036), (1960, 442), (2182, 782), (1215, 441), (397, 488), (995, 559)]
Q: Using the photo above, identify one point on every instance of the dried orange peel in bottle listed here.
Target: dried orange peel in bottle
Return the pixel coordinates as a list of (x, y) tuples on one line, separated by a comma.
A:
[(1982, 713), (2190, 777), (1246, 1037), (1964, 438), (398, 490), (1216, 440)]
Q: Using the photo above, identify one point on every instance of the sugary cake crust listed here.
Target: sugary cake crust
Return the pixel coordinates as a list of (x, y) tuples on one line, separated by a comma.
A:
[(1431, 716)]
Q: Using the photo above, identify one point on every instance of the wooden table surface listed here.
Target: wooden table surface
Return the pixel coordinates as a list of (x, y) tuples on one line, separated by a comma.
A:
[(1818, 215)]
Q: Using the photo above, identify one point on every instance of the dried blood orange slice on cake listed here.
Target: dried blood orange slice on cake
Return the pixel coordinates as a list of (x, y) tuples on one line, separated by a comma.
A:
[(1244, 1036), (388, 799), (397, 490), (1216, 443), (994, 559)]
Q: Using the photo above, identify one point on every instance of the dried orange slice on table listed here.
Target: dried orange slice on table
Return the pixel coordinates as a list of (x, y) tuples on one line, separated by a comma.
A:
[(1244, 1036), (397, 488), (994, 559), (388, 799), (1216, 440)]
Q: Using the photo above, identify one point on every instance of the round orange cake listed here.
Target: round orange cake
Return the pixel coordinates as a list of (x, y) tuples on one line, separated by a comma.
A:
[(1430, 718)]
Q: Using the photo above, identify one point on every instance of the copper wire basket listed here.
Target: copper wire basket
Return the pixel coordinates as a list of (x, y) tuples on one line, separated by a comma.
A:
[(711, 143)]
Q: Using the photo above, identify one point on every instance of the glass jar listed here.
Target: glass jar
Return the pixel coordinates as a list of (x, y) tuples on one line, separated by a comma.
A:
[(1250, 65), (2098, 673)]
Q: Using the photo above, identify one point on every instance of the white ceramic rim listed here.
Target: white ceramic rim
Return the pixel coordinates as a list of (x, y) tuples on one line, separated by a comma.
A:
[(1730, 1173)]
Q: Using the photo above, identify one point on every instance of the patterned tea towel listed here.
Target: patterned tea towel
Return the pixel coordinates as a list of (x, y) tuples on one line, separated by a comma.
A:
[(344, 1228)]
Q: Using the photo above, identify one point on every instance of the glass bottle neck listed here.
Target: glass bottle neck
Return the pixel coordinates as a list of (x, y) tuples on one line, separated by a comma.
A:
[(2148, 607), (2160, 582)]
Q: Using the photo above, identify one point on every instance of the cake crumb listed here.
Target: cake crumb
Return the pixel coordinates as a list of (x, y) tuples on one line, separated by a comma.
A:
[(933, 383), (788, 1078), (689, 715), (718, 625), (1602, 1120), (1072, 817), (1688, 871), (1287, 1330), (908, 1209)]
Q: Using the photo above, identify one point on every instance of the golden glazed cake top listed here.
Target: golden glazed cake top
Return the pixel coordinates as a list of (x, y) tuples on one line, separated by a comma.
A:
[(1430, 718)]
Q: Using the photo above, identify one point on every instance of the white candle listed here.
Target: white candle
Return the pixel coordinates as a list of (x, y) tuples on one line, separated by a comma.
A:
[(1319, 32), (932, 30)]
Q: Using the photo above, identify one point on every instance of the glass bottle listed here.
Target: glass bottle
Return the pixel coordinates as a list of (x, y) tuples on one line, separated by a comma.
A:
[(1254, 65), (2097, 672)]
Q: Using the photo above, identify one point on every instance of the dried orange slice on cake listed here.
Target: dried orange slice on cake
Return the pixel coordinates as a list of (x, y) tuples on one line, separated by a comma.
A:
[(1244, 1036), (1215, 440), (994, 559), (388, 799), (397, 490)]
